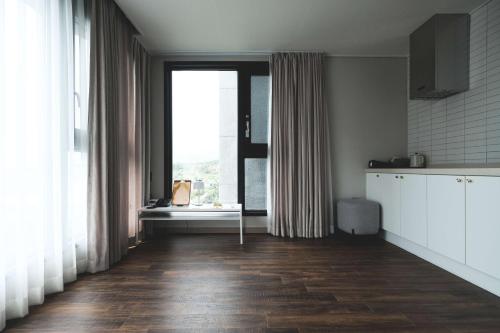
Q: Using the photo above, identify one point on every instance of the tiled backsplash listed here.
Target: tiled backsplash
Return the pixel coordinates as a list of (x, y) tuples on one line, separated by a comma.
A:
[(465, 128)]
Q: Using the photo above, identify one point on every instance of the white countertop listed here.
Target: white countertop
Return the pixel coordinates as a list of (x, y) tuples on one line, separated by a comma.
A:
[(456, 171)]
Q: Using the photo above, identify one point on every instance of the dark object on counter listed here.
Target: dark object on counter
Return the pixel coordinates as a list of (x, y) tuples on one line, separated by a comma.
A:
[(153, 203), (400, 162), (395, 162), (373, 164)]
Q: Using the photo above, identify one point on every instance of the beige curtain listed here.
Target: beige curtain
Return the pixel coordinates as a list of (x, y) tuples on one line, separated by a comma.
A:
[(139, 134), (300, 175), (116, 121)]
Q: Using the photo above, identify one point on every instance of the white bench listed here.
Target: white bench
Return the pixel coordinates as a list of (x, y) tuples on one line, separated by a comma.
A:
[(231, 212)]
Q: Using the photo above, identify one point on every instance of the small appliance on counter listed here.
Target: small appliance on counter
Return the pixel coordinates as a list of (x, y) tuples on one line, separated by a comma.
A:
[(395, 162), (153, 203), (417, 160)]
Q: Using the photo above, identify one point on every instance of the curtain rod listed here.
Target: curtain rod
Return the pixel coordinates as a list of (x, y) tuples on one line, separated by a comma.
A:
[(157, 53)]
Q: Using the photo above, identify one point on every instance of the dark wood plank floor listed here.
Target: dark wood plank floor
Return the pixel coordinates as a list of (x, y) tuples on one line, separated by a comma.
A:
[(209, 283)]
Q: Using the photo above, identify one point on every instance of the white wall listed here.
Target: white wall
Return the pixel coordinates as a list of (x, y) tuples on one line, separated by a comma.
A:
[(367, 104), (367, 100)]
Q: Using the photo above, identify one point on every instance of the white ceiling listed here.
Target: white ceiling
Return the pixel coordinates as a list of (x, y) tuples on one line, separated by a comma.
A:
[(338, 27)]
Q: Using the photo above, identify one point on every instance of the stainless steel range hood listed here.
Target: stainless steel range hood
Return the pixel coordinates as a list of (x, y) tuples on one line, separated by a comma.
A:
[(439, 57)]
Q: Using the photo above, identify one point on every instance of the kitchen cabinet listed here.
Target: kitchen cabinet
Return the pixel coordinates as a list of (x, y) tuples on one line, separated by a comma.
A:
[(414, 208), (373, 187), (391, 203), (483, 224), (454, 218), (385, 189), (446, 215)]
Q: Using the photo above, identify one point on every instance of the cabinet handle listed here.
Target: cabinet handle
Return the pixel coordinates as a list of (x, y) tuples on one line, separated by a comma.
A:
[(378, 176), (401, 177), (469, 180), (459, 180), (397, 177)]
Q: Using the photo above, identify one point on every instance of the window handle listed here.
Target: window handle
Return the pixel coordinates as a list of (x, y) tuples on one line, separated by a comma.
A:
[(77, 95), (247, 128)]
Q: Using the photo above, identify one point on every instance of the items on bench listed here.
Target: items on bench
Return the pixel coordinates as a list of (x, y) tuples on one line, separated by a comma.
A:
[(232, 212)]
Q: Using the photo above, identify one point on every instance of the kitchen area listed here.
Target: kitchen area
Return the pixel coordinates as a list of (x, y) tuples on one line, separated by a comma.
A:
[(442, 203)]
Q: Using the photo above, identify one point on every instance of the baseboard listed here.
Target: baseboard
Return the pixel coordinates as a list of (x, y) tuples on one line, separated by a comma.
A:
[(467, 273)]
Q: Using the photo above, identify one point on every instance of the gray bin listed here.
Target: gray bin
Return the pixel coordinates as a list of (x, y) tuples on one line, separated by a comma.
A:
[(358, 216)]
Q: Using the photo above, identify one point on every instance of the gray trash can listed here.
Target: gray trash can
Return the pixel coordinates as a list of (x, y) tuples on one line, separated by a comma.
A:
[(358, 216)]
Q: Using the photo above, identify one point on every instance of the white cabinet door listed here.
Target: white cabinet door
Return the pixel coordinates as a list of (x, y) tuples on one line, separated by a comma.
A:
[(446, 216), (373, 187), (414, 208), (483, 224), (390, 199)]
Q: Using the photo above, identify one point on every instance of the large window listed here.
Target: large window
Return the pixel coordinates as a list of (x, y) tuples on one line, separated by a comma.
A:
[(216, 123), (205, 132)]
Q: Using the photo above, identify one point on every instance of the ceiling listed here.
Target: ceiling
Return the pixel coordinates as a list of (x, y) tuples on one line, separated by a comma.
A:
[(338, 27)]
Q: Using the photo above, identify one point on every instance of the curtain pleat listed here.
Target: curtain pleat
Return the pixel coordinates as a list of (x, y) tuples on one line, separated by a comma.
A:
[(118, 117), (301, 189), (140, 138)]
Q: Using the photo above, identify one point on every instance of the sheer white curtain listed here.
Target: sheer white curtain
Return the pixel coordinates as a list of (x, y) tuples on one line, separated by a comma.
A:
[(42, 170)]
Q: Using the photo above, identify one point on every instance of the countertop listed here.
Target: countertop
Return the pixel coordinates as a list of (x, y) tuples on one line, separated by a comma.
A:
[(456, 171)]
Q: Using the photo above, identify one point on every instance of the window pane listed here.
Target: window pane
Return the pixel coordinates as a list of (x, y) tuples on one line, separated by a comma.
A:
[(259, 96), (204, 132), (255, 184)]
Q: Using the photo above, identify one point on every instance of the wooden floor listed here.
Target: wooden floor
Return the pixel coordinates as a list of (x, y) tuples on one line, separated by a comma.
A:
[(209, 283)]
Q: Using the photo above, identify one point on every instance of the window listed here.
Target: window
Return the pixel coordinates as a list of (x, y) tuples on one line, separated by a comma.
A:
[(216, 130), (253, 148), (204, 132)]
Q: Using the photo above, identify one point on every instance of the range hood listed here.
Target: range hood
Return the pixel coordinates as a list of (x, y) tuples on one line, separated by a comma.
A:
[(439, 57)]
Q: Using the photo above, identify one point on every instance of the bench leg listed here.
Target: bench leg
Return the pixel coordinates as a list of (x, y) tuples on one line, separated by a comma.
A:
[(137, 229), (241, 227)]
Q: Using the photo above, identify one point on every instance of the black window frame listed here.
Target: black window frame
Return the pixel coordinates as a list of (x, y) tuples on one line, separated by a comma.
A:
[(246, 149)]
